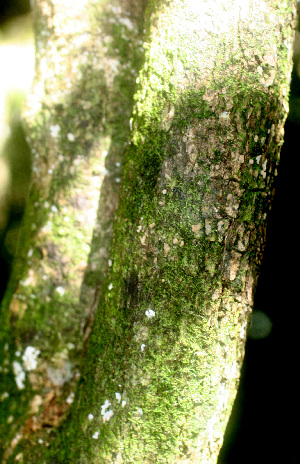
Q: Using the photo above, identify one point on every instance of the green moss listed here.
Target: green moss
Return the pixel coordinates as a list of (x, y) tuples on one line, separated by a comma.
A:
[(168, 255)]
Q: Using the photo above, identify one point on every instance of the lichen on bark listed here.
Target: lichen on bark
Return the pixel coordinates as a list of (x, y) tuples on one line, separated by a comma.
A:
[(77, 120), (162, 364)]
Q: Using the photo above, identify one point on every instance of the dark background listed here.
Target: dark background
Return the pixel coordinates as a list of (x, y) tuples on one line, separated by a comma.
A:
[(12, 8), (262, 428)]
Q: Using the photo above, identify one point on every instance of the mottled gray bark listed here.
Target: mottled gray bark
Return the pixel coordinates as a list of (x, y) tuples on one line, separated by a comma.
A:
[(170, 311)]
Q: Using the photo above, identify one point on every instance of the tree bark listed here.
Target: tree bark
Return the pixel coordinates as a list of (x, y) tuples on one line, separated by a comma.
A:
[(169, 300)]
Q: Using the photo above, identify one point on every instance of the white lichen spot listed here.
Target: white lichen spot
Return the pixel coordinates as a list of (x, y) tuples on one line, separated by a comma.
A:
[(167, 249), (4, 396), (123, 403), (19, 375), (150, 313), (118, 180), (60, 290), (40, 441), (30, 358), (127, 23), (107, 415), (71, 137), (90, 417), (118, 397), (54, 209), (164, 191), (255, 138), (30, 253), (104, 406), (96, 435), (140, 411), (143, 346), (243, 330), (70, 398), (110, 287), (224, 115), (104, 153), (54, 130), (47, 227)]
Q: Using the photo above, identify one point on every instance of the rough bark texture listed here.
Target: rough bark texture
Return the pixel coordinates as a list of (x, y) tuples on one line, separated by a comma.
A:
[(161, 367), (87, 59)]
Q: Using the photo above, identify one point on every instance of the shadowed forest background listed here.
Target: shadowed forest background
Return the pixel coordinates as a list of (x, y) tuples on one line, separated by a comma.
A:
[(261, 429)]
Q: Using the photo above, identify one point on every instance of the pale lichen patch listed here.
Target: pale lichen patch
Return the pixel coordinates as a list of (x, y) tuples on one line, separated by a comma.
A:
[(30, 358), (231, 262), (19, 375), (143, 239), (150, 313), (196, 227), (208, 226), (167, 249)]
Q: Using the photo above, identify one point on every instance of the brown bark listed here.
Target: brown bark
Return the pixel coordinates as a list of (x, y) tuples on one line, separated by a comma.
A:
[(161, 367)]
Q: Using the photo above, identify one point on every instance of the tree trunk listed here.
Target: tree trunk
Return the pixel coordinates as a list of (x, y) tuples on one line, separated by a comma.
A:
[(173, 292)]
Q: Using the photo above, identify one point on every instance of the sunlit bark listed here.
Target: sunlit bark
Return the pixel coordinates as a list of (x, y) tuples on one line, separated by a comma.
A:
[(168, 302)]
